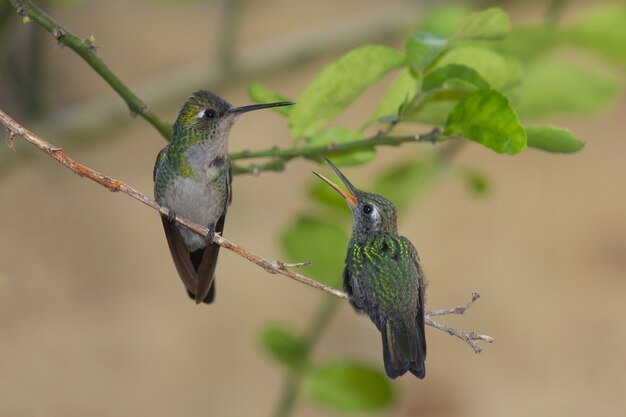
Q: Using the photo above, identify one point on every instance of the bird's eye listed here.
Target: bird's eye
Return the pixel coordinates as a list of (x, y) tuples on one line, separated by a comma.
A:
[(209, 113), (367, 209)]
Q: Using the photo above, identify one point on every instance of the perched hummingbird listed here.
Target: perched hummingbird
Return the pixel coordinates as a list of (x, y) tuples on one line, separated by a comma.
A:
[(192, 177), (383, 279)]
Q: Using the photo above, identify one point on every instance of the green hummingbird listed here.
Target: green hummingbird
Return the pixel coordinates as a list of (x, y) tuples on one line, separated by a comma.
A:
[(193, 178), (383, 279)]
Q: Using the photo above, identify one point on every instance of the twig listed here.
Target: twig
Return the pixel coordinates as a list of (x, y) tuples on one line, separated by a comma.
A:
[(468, 337), (273, 267), (86, 50), (112, 184)]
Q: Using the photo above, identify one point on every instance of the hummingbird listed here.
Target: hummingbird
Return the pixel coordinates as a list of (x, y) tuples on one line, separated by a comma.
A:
[(383, 278), (192, 178)]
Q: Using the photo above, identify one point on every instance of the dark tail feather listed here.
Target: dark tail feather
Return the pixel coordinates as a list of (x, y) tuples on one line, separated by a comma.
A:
[(402, 348), (209, 298)]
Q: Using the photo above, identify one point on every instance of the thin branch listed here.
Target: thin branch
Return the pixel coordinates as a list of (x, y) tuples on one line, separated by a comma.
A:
[(471, 338), (273, 267), (379, 139), (85, 49)]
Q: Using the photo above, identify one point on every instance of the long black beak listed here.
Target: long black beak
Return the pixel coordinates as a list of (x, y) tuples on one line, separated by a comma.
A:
[(350, 196), (245, 109)]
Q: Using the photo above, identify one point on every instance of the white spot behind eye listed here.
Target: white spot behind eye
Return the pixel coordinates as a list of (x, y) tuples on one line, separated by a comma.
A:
[(375, 215)]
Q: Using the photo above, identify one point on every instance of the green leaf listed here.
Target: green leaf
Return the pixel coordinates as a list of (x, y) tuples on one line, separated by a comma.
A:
[(529, 42), (407, 181), (502, 72), (422, 49), (487, 24), (443, 20), (486, 117), (338, 85), (439, 77), (260, 94), (559, 87), (402, 89), (602, 31), (553, 139), (435, 106), (325, 195), (284, 346), (336, 136), (324, 243), (349, 386)]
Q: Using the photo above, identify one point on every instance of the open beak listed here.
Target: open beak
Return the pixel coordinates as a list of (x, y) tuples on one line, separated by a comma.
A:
[(350, 195), (245, 109)]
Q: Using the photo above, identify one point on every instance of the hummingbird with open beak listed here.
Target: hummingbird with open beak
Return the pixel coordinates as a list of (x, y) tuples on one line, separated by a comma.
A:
[(383, 278), (193, 178)]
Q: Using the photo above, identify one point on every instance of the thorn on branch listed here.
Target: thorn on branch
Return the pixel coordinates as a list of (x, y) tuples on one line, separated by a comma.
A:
[(283, 265)]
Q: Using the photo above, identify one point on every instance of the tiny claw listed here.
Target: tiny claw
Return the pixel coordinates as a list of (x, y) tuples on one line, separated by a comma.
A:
[(211, 235), (171, 216)]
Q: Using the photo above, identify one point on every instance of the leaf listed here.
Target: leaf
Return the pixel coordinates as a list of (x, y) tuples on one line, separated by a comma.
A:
[(260, 94), (559, 87), (502, 72), (529, 42), (553, 139), (438, 77), (323, 194), (435, 106), (487, 24), (407, 181), (338, 85), (349, 386), (601, 31), (402, 89), (324, 243), (486, 117), (284, 346), (422, 49), (336, 136), (443, 20)]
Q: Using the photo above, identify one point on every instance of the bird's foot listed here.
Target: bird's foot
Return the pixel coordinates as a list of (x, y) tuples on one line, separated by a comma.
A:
[(209, 237), (171, 216)]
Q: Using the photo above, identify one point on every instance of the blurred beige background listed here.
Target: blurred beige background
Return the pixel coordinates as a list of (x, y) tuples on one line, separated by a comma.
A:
[(94, 320)]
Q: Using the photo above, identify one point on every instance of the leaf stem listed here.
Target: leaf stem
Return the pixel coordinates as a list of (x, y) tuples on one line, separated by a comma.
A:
[(316, 328)]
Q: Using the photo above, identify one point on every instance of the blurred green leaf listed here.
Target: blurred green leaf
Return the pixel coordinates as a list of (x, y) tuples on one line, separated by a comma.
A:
[(349, 386), (324, 243), (443, 20), (338, 85), (553, 139), (558, 87), (407, 181), (486, 24), (438, 77), (528, 42), (502, 72), (284, 346), (402, 89), (486, 117), (325, 195), (338, 135), (422, 49), (602, 30), (476, 181), (260, 94)]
